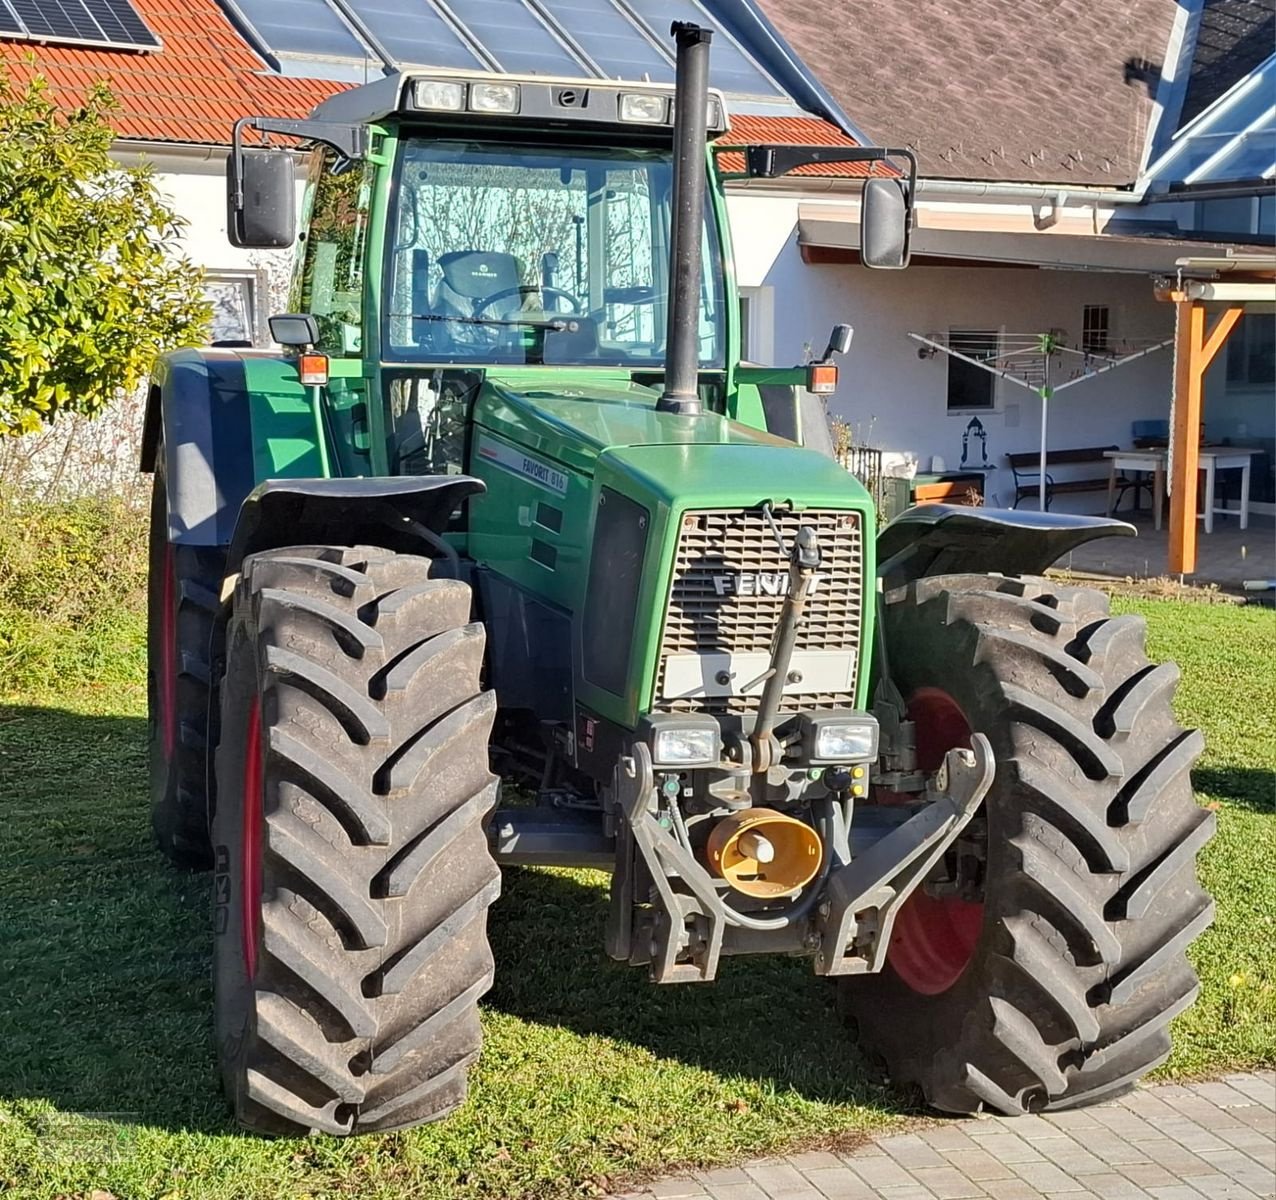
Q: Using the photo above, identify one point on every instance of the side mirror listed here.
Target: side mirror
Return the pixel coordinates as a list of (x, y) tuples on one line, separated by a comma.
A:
[(839, 341), (885, 217), (261, 196), (297, 330)]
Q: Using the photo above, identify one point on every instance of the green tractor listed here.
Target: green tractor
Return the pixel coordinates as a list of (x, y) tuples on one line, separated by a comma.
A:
[(509, 507)]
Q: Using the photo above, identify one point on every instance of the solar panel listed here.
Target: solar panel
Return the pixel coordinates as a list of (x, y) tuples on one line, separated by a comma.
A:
[(729, 68), (413, 31), (9, 23), (112, 23), (616, 39), (610, 39), (516, 39), (118, 20), (305, 27)]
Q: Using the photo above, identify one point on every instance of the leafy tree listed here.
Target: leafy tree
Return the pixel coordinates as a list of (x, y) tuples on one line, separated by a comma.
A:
[(91, 285)]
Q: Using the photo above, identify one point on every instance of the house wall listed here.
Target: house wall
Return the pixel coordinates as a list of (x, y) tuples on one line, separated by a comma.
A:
[(894, 400)]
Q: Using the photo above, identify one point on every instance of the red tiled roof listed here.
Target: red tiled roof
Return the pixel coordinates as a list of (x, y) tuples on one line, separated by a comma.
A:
[(205, 78), (193, 90)]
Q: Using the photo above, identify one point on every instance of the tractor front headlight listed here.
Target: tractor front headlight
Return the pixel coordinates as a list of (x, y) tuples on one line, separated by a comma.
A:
[(685, 747), (839, 737), (494, 97), (682, 741), (441, 95), (644, 108)]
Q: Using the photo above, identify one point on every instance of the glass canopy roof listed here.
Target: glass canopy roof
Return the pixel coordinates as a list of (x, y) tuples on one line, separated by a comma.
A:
[(1233, 140), (362, 39)]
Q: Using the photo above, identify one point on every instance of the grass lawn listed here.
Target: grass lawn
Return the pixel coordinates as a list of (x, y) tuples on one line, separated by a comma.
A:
[(589, 1073)]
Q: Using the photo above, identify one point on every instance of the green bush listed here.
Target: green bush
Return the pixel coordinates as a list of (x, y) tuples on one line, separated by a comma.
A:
[(72, 592)]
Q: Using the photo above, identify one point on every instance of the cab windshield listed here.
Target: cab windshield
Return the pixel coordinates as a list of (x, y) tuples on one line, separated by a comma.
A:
[(509, 254)]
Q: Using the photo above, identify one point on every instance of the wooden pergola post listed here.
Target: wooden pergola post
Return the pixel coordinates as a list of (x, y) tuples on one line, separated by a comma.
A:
[(1194, 350)]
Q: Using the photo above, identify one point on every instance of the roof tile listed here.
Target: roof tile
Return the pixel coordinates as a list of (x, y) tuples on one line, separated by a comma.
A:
[(1055, 91), (191, 91), (748, 130), (206, 77)]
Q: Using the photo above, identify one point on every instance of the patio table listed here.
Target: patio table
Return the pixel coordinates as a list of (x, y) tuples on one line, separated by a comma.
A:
[(1212, 460), (1138, 460)]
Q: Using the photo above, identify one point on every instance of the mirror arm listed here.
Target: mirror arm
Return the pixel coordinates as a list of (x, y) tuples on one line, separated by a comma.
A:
[(350, 141), (770, 162)]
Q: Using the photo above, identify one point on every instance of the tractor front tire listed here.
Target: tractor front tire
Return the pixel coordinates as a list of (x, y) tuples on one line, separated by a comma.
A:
[(353, 874), (1054, 984), (183, 586)]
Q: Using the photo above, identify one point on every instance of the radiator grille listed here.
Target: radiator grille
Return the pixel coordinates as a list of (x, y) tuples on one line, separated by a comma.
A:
[(736, 542)]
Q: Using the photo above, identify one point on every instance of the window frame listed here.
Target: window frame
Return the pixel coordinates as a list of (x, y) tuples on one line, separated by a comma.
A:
[(255, 284), (997, 335), (757, 324), (1104, 345), (1239, 349)]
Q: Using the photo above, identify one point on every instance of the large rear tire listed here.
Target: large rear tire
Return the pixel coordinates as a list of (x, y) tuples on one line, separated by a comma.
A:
[(182, 600), (353, 874), (1055, 985)]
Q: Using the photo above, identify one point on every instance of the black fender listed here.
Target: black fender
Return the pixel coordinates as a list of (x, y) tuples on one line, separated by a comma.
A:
[(949, 539), (388, 511)]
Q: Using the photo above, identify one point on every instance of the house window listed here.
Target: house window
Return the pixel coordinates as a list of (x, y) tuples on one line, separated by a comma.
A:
[(757, 326), (1251, 351), (1096, 329), (970, 386), (236, 299)]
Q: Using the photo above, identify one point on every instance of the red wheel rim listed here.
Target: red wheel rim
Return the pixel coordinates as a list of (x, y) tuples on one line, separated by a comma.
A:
[(934, 939), (252, 836), (168, 654)]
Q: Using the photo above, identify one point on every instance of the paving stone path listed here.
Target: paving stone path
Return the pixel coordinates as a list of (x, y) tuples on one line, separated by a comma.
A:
[(1197, 1141)]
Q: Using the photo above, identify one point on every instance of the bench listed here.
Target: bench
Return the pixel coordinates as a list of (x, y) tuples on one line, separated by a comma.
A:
[(1026, 469)]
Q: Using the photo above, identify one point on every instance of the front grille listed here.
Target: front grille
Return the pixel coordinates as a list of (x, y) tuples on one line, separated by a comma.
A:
[(739, 542)]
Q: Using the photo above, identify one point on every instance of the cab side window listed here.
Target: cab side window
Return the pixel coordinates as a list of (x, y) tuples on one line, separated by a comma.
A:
[(331, 282)]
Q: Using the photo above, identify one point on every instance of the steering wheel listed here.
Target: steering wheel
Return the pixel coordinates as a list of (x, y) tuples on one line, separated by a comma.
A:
[(483, 305)]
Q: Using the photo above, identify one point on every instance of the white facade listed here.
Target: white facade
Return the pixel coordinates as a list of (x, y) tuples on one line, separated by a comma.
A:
[(896, 400), (246, 285), (890, 397)]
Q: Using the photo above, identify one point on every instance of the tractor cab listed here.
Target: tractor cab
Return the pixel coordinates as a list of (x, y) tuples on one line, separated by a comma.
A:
[(458, 229)]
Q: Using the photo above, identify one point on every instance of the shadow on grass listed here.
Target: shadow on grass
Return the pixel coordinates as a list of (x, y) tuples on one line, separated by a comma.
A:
[(106, 998), (769, 1020), (1245, 787), (105, 995)]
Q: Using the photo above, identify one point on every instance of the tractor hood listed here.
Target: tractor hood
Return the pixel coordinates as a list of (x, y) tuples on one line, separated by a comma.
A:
[(574, 420)]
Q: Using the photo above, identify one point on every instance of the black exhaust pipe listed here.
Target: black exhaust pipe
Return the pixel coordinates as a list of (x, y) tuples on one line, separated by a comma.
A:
[(691, 106)]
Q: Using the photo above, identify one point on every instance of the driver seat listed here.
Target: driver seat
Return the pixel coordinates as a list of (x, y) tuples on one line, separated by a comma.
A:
[(467, 277)]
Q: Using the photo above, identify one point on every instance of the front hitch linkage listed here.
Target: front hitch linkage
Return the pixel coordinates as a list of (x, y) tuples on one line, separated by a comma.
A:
[(804, 560)]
